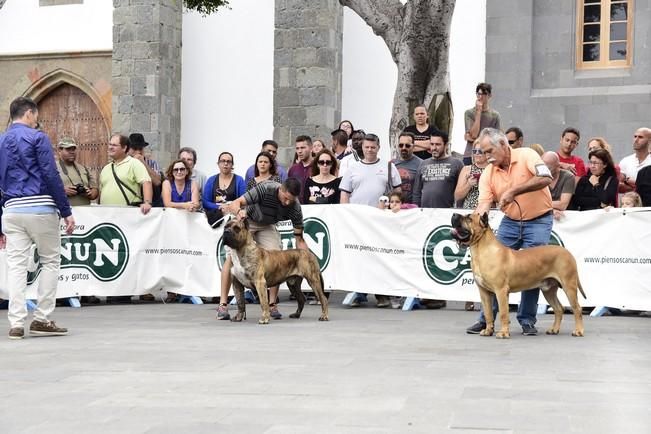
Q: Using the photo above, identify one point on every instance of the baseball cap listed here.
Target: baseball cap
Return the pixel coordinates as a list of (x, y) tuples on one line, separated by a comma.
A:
[(67, 143)]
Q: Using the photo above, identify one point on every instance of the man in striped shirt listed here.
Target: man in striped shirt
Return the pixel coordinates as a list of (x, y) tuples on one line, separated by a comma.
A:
[(267, 204), (33, 201)]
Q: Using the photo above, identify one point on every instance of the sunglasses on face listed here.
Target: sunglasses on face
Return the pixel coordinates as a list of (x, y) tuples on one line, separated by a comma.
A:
[(404, 145), (178, 169), (477, 151), (325, 162)]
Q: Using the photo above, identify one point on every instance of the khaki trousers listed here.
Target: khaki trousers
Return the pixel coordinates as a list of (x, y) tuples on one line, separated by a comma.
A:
[(21, 231)]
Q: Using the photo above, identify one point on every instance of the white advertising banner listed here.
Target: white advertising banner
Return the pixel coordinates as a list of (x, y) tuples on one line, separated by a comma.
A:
[(118, 251)]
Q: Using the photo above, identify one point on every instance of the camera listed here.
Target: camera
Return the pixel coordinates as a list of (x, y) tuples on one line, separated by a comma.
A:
[(384, 200), (80, 189)]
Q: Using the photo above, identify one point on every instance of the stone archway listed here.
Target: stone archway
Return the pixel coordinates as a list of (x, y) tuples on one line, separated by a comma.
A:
[(67, 109)]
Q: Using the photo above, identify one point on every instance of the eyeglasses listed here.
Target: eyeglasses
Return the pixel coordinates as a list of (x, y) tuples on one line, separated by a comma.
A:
[(404, 145), (512, 142), (226, 161), (178, 169), (325, 162), (477, 151)]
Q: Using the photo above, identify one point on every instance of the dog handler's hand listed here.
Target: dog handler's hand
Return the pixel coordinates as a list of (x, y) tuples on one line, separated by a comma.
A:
[(70, 224), (301, 244), (506, 199)]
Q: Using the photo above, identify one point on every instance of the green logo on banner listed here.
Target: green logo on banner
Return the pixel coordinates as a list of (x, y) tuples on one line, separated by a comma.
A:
[(103, 250), (315, 233), (445, 261)]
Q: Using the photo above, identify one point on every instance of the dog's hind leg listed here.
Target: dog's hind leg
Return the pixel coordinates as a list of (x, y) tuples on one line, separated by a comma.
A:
[(572, 296), (319, 292), (294, 285), (550, 290), (238, 289)]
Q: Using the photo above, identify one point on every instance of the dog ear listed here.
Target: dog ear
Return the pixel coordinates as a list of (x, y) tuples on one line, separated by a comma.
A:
[(484, 219)]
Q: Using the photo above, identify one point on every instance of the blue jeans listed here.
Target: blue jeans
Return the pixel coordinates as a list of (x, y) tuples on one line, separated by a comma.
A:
[(536, 232)]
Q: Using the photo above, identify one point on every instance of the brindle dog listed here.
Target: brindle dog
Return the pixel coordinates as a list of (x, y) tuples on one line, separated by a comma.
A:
[(258, 268), (501, 270)]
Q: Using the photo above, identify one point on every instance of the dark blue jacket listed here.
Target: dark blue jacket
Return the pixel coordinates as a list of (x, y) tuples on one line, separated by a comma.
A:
[(27, 167)]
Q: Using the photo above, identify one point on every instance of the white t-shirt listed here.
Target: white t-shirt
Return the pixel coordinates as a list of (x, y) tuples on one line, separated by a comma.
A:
[(630, 165), (346, 162), (366, 182)]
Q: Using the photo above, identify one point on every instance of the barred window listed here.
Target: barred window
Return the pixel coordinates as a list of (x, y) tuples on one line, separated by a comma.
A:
[(604, 33)]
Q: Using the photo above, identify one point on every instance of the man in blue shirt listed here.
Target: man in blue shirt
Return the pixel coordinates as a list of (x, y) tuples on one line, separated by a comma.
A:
[(33, 201)]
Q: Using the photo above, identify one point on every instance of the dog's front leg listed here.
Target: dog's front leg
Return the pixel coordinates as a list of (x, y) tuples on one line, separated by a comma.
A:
[(487, 305), (502, 295), (238, 289), (261, 287)]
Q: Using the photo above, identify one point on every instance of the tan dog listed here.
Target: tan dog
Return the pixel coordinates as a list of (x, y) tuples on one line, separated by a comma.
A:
[(257, 268), (501, 270)]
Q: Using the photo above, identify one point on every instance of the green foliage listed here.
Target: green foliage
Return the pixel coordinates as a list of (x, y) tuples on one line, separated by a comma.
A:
[(205, 7)]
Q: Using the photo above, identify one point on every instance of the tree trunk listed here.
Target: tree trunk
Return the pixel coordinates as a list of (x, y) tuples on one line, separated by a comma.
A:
[(418, 37)]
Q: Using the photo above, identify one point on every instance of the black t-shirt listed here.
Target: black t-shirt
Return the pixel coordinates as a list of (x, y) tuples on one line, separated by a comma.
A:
[(422, 135)]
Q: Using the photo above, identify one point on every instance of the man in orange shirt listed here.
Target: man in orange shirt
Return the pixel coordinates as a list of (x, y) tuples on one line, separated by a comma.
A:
[(517, 180)]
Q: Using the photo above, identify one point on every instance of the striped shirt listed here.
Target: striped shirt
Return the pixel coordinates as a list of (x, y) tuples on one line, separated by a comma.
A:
[(264, 207)]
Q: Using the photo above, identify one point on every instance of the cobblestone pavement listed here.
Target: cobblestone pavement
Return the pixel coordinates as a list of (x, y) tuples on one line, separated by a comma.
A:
[(154, 368)]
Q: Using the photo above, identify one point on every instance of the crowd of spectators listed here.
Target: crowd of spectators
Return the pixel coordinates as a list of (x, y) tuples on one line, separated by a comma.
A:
[(424, 173)]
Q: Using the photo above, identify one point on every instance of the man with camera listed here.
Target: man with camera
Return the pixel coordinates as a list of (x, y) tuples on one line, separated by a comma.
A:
[(79, 182)]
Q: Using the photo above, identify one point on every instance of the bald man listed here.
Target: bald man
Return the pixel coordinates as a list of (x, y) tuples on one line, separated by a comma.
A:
[(629, 166), (562, 186)]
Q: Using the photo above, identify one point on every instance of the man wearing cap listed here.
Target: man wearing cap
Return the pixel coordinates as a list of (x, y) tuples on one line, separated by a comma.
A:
[(137, 151), (79, 182)]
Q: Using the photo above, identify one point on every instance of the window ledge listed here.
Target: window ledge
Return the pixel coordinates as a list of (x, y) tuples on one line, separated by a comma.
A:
[(603, 73)]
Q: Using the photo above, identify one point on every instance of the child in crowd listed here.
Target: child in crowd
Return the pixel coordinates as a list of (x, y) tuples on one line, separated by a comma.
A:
[(394, 203), (631, 200)]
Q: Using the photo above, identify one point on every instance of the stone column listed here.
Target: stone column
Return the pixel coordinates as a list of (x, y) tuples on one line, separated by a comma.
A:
[(307, 71), (146, 72)]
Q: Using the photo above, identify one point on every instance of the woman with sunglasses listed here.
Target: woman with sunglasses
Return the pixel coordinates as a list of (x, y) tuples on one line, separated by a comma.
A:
[(179, 191), (467, 189), (323, 186)]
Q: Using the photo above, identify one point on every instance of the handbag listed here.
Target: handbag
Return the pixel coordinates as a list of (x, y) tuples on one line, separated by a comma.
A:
[(122, 186)]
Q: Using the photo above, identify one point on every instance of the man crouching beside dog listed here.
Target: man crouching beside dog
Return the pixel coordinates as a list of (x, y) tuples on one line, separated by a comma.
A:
[(267, 204), (517, 180)]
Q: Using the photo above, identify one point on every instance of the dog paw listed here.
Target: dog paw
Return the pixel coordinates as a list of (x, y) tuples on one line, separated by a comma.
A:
[(263, 321), (486, 332), (578, 333), (295, 315), (238, 317), (503, 335), (552, 331), (323, 318)]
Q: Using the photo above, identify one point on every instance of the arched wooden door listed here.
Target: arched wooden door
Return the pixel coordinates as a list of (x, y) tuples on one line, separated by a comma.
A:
[(67, 111)]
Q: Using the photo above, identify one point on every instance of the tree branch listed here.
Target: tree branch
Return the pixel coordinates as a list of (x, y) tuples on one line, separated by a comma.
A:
[(385, 17)]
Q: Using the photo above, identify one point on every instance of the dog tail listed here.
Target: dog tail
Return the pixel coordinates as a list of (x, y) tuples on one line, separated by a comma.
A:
[(580, 287)]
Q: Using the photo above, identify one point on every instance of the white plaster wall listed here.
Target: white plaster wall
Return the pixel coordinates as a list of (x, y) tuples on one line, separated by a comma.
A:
[(227, 85), (28, 28), (227, 99)]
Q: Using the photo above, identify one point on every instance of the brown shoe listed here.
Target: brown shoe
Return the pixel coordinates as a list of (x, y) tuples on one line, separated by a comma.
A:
[(46, 328), (171, 297), (147, 297), (16, 333), (382, 301)]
